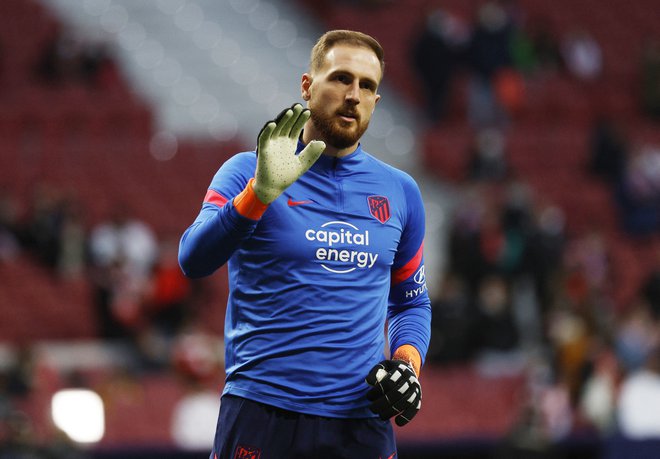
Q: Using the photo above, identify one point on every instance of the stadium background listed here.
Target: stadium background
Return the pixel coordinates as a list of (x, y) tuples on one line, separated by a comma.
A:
[(111, 106)]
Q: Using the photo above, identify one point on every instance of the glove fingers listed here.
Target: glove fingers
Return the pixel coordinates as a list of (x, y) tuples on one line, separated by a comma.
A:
[(408, 398), (265, 135), (383, 407), (396, 400), (406, 416), (311, 153), (371, 377), (281, 121), (289, 120), (299, 122)]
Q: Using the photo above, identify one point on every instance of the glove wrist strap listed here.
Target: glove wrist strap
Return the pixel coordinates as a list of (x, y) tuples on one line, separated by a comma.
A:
[(411, 356), (248, 204)]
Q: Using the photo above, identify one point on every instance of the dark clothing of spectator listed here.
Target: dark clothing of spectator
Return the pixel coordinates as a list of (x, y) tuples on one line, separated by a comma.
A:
[(435, 58), (651, 79), (608, 151)]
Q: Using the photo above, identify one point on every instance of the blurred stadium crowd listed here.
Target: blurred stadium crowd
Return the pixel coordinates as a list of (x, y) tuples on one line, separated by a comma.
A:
[(540, 117)]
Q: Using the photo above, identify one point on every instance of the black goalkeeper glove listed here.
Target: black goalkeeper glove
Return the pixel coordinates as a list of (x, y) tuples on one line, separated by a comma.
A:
[(396, 391)]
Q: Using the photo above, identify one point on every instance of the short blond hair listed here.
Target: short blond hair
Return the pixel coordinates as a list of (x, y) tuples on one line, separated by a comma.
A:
[(347, 37)]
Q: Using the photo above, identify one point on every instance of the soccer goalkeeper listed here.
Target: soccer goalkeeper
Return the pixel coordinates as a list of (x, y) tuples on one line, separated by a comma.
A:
[(324, 246)]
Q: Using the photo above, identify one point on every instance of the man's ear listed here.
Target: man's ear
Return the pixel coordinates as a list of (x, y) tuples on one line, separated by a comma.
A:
[(375, 103), (305, 84)]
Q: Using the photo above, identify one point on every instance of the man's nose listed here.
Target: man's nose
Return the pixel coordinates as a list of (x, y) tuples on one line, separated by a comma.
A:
[(353, 93)]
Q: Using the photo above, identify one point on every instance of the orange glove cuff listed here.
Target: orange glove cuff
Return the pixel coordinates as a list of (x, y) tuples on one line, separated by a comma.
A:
[(248, 204), (410, 354)]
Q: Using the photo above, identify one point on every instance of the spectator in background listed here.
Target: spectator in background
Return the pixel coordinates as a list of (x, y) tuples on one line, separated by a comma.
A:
[(494, 330), (17, 438), (607, 150), (582, 55), (437, 52), (535, 48), (639, 400), (638, 193), (489, 53), (597, 402), (69, 59), (169, 292), (72, 240), (197, 360), (451, 322), (636, 334), (544, 252), (53, 230), (123, 251), (464, 233), (42, 225), (650, 70), (9, 226), (59, 61), (488, 160), (165, 307), (650, 290)]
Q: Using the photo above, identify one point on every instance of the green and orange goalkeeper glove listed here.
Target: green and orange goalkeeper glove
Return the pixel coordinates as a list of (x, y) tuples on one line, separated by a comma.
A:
[(278, 165)]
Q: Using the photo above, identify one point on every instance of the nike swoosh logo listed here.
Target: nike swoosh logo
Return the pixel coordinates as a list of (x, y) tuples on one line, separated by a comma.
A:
[(293, 203)]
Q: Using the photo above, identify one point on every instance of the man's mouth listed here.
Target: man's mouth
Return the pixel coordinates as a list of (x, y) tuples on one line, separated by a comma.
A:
[(348, 116)]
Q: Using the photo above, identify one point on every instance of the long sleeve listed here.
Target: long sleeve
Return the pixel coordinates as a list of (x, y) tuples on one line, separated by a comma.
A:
[(409, 311), (228, 217)]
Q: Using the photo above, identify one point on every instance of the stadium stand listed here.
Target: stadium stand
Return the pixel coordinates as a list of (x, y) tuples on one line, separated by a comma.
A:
[(96, 143)]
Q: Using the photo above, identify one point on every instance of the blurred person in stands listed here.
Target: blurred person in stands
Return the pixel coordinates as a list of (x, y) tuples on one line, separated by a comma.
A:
[(168, 305), (488, 158), (582, 55), (638, 191), (495, 330), (70, 59), (535, 48), (324, 245), (9, 226), (59, 60), (597, 401), (169, 293), (639, 399), (650, 74), (650, 289), (635, 335), (451, 322), (122, 252), (544, 252), (40, 228), (489, 54), (17, 440), (608, 150), (437, 52), (197, 360)]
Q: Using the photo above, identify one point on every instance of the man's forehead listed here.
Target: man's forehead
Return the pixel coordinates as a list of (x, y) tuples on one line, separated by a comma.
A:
[(354, 58)]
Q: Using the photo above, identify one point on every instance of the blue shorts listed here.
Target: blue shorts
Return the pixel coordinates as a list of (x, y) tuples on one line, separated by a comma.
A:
[(252, 430)]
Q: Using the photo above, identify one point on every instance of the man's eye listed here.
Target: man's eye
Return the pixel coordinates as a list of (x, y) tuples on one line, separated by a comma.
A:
[(343, 78)]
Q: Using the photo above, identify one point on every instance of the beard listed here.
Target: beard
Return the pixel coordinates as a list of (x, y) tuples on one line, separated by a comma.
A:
[(337, 132)]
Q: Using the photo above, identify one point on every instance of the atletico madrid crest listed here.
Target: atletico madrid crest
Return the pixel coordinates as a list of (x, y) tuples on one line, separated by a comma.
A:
[(379, 207), (247, 452)]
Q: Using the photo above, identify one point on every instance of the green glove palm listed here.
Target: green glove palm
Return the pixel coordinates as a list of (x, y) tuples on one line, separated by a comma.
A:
[(278, 165)]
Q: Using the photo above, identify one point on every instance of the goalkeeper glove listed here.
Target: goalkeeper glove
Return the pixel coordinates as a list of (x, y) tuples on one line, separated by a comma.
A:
[(396, 391), (278, 165)]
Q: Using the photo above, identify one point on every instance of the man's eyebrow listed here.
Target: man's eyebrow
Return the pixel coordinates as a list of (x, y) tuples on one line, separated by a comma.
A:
[(369, 80)]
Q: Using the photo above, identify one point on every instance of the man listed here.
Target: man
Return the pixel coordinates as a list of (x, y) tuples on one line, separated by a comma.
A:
[(324, 245)]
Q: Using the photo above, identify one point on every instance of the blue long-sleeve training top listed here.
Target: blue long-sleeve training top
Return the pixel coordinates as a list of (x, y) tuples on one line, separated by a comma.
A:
[(313, 280)]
